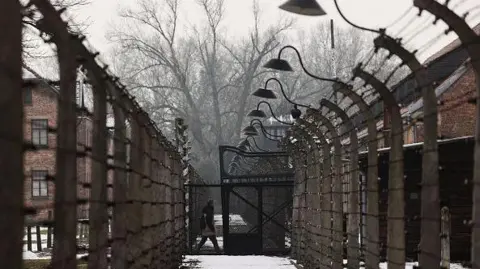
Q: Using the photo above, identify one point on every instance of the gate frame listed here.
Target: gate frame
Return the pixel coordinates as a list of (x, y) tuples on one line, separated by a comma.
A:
[(245, 180)]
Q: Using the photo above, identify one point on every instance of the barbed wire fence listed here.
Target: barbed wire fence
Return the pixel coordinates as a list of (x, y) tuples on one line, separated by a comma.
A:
[(342, 219), (136, 197)]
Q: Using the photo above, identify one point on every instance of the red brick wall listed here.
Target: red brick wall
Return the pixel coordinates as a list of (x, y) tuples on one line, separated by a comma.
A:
[(457, 116), (84, 164), (44, 106)]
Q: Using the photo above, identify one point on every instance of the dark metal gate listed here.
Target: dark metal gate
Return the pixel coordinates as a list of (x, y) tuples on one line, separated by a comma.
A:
[(256, 194)]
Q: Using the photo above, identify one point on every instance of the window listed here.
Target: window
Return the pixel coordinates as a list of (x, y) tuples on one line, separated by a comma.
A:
[(39, 183), (40, 132), (27, 96)]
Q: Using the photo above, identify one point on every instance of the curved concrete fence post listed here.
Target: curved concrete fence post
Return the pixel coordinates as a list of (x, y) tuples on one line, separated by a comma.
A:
[(429, 255), (396, 202), (353, 221), (371, 237), (337, 207), (470, 40)]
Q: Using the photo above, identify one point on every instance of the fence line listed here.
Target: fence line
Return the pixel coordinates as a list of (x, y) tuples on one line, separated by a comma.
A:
[(386, 219), (137, 178)]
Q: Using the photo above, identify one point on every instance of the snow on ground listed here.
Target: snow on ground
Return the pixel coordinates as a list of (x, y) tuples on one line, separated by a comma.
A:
[(237, 262), (408, 265), (235, 219), (209, 244), (28, 255)]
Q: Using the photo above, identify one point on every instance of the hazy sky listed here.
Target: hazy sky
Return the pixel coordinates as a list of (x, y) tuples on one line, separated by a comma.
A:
[(370, 13)]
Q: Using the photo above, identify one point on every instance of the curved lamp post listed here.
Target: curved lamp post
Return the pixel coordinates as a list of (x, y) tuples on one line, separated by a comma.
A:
[(250, 130), (267, 93), (255, 144), (261, 114), (280, 64)]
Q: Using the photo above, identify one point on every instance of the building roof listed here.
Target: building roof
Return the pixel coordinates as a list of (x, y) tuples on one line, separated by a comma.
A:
[(441, 89), (450, 47), (50, 84)]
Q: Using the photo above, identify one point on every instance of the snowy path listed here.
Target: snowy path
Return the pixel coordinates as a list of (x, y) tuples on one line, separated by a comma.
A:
[(237, 262)]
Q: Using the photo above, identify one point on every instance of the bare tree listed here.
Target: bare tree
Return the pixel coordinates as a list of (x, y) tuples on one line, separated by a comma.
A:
[(199, 75)]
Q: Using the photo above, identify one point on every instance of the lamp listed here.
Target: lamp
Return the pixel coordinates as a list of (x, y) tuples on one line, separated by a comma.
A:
[(250, 130), (257, 113), (278, 64), (264, 93), (303, 7), (282, 65)]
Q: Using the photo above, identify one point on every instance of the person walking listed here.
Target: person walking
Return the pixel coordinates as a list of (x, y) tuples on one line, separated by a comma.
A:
[(208, 228)]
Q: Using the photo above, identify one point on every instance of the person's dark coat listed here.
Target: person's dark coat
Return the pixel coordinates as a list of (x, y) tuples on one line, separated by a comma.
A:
[(207, 218)]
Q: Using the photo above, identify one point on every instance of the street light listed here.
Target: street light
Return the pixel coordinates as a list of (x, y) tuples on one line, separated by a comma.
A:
[(250, 130), (260, 114), (312, 8), (303, 7), (267, 93), (254, 143), (280, 64)]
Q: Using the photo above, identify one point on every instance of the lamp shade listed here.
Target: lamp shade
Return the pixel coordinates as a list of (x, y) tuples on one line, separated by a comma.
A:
[(278, 64), (257, 113), (250, 130), (250, 133), (303, 7), (264, 93)]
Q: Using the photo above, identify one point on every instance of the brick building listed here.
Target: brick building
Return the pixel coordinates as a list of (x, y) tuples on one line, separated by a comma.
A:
[(40, 114), (451, 73)]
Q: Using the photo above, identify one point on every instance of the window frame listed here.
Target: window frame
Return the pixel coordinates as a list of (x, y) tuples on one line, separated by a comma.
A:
[(27, 92), (33, 129), (34, 179)]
